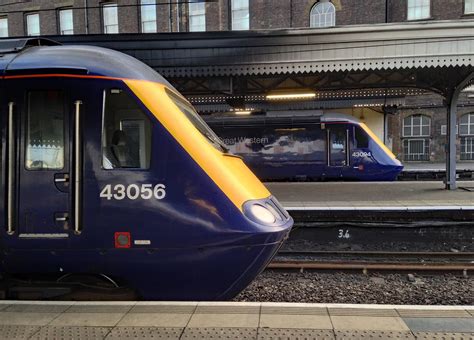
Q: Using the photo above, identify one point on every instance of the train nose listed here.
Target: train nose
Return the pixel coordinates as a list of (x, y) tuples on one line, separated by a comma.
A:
[(269, 215), (267, 212), (392, 171), (271, 226), (269, 221)]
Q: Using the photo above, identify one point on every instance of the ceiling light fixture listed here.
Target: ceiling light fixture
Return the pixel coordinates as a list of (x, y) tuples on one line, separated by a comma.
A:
[(290, 96), (243, 113)]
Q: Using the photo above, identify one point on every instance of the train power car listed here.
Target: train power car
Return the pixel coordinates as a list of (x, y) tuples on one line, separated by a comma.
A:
[(108, 173), (333, 146)]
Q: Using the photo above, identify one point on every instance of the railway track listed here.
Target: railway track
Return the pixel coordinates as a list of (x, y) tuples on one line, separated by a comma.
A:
[(374, 261)]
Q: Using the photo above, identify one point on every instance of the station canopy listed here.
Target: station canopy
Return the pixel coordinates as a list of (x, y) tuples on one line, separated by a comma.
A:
[(371, 65), (367, 65)]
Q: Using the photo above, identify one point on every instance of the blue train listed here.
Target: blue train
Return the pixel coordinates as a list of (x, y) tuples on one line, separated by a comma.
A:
[(332, 146), (109, 177)]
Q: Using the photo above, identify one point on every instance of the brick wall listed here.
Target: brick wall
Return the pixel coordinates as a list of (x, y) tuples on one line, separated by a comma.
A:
[(264, 14), (214, 10), (440, 10), (355, 12), (437, 112), (128, 16), (280, 14), (163, 15)]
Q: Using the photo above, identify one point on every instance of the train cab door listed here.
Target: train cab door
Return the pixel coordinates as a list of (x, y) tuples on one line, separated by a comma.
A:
[(338, 153), (40, 129)]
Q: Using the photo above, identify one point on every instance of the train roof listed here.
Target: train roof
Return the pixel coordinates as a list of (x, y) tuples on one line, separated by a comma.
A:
[(282, 120), (39, 55), (338, 117)]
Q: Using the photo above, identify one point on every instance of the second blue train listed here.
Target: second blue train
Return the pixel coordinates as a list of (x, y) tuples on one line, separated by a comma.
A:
[(329, 147)]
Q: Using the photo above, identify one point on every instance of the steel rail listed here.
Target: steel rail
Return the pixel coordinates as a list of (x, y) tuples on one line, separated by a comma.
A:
[(370, 266), (375, 253)]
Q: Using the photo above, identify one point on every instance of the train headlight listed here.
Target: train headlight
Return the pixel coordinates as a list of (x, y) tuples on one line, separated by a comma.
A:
[(266, 211), (262, 214)]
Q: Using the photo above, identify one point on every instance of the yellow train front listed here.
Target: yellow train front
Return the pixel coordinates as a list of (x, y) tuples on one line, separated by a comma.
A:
[(108, 171)]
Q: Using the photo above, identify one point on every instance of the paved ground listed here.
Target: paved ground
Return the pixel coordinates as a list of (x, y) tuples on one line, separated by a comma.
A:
[(399, 195), (423, 166), (226, 320)]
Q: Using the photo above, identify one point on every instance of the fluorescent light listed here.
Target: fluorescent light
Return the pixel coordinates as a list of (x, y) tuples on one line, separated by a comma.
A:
[(243, 113), (300, 95)]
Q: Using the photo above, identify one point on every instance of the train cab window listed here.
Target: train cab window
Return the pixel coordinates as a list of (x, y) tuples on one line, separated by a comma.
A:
[(361, 137), (196, 120), (45, 131), (126, 140)]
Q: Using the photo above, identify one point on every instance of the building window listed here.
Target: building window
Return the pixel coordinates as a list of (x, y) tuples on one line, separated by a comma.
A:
[(418, 9), (197, 17), (467, 148), (3, 27), (416, 149), (66, 25), (417, 126), (240, 15), (468, 6), (32, 24), (148, 16), (466, 125), (466, 132), (110, 15), (323, 14)]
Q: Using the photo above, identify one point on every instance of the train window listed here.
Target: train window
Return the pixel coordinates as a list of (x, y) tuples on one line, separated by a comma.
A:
[(338, 142), (338, 145), (361, 138), (45, 131), (197, 121), (126, 140)]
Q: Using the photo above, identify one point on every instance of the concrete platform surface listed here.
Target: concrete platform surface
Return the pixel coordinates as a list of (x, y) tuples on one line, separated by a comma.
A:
[(427, 195), (230, 320), (436, 166)]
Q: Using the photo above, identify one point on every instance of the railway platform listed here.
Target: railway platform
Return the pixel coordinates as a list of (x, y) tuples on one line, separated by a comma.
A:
[(375, 196), (230, 320), (461, 166), (435, 170), (378, 215)]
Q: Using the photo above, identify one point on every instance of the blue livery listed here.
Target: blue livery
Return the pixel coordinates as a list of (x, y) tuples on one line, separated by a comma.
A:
[(108, 172), (329, 147)]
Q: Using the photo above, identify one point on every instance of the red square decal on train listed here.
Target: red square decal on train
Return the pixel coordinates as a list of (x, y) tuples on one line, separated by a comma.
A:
[(123, 239)]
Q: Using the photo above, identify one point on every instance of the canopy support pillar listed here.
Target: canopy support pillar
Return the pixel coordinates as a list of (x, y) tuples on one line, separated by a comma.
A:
[(452, 102)]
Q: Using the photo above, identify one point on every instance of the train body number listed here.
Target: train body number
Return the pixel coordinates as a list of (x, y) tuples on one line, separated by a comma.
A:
[(133, 192), (362, 154)]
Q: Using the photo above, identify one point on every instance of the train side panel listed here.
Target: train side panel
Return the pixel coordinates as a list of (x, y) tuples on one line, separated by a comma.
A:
[(183, 230), (278, 152), (339, 150)]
